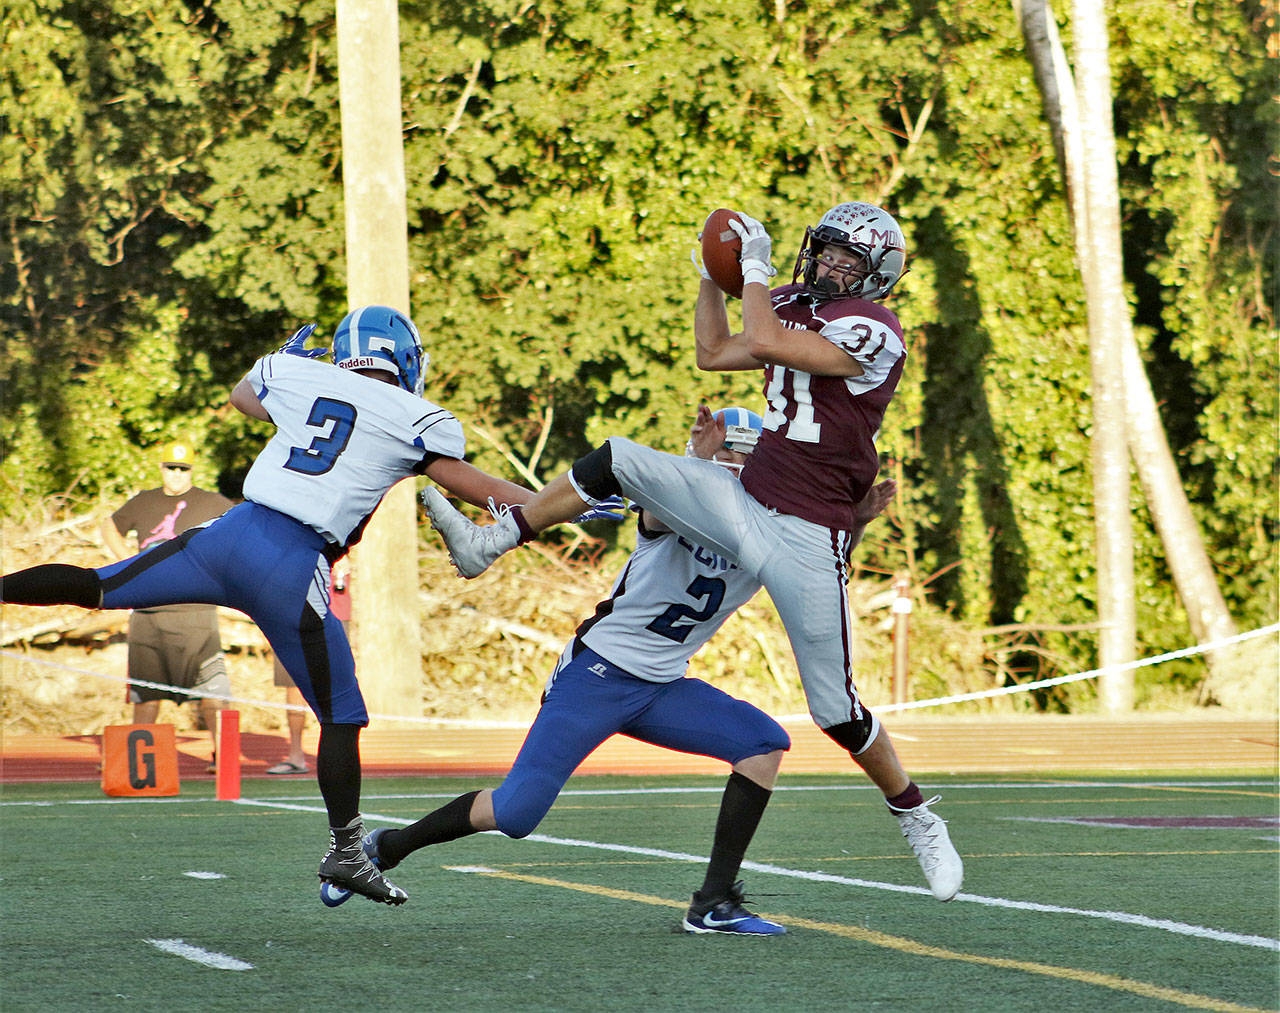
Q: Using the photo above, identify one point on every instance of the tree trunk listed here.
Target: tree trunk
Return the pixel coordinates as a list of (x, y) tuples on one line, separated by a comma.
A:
[(1188, 561), (385, 589), (1162, 485), (1107, 312)]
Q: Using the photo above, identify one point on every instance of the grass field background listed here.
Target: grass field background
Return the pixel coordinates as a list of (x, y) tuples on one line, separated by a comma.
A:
[(1064, 907)]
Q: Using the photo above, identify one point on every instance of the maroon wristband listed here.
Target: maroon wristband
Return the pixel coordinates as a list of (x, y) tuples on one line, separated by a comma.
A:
[(527, 534)]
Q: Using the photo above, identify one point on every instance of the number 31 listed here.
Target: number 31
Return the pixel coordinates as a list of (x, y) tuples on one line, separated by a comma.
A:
[(802, 428)]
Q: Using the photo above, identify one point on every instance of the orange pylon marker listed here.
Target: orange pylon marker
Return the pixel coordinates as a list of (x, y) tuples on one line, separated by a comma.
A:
[(228, 764)]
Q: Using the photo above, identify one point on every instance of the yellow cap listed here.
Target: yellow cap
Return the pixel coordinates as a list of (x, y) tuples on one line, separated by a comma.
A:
[(177, 453)]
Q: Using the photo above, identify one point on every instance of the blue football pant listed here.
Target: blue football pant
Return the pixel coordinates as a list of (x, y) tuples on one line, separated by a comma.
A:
[(582, 708), (270, 567)]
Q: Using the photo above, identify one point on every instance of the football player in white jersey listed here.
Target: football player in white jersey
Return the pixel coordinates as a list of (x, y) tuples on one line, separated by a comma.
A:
[(346, 432), (830, 356), (624, 674)]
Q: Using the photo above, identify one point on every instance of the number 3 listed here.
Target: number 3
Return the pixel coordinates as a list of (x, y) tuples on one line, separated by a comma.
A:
[(324, 450)]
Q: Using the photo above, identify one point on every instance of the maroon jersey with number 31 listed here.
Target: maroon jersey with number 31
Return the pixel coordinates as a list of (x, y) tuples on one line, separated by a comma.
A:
[(817, 456)]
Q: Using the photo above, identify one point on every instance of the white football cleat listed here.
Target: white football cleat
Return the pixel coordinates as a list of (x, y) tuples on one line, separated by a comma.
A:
[(926, 832), (471, 547)]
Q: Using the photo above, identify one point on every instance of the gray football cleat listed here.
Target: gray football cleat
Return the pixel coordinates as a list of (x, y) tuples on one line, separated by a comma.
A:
[(472, 547), (926, 832), (336, 896)]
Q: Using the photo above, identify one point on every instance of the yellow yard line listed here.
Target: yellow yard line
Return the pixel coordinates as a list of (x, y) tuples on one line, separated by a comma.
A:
[(904, 945), (1210, 791)]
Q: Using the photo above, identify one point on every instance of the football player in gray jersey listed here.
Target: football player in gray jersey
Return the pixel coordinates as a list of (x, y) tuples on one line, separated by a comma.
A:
[(624, 673), (830, 356)]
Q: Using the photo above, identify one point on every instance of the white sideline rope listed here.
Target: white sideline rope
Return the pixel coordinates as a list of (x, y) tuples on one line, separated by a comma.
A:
[(250, 702), (940, 701), (1061, 680)]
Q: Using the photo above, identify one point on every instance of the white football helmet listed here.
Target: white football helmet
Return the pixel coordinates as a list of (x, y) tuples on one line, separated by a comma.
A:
[(868, 232), (378, 337)]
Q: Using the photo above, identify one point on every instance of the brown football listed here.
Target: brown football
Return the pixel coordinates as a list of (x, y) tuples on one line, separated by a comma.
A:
[(721, 252)]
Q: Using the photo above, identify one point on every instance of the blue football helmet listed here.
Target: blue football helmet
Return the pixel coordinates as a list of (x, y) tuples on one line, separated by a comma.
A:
[(378, 337), (742, 428)]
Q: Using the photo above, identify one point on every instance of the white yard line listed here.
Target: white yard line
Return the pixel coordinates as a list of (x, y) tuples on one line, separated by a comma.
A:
[(687, 790), (1122, 917), (1119, 917), (183, 949)]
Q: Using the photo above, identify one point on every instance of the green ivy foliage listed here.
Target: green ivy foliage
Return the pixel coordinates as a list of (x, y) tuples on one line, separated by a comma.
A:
[(172, 186)]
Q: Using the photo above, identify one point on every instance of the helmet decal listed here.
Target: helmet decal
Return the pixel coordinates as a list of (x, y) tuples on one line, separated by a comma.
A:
[(379, 337)]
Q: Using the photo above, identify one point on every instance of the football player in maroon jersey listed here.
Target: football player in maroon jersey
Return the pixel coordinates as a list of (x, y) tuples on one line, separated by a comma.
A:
[(831, 356)]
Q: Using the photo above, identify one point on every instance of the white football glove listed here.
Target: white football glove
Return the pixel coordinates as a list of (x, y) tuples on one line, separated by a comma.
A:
[(757, 249)]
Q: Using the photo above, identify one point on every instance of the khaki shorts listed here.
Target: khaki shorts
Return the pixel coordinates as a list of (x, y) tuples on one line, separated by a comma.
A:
[(179, 648)]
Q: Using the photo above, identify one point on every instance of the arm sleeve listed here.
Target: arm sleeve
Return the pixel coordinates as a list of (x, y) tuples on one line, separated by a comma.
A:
[(257, 376), (428, 459), (438, 432)]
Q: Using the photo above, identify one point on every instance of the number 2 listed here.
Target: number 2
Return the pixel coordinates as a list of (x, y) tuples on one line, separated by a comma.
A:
[(711, 588)]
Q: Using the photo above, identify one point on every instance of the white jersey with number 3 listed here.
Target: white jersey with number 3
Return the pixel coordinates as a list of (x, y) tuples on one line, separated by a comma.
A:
[(667, 602), (342, 440)]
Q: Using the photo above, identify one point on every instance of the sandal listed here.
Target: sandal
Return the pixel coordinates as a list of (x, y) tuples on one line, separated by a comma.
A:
[(288, 767)]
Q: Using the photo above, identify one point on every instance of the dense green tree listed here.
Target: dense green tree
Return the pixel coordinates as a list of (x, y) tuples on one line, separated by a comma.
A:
[(172, 206)]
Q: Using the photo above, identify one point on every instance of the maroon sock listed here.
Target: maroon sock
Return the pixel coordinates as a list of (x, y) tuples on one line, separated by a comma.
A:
[(527, 534), (909, 799)]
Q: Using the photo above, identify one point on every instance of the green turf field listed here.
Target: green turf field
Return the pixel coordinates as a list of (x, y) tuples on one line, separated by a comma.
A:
[(1062, 909)]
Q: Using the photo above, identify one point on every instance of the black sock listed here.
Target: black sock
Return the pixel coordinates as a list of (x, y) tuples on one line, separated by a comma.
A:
[(909, 799), (338, 772), (52, 584), (447, 823), (740, 811)]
